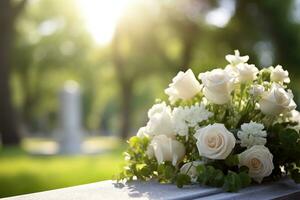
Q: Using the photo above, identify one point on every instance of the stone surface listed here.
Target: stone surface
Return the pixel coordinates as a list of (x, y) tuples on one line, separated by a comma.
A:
[(70, 136), (110, 190)]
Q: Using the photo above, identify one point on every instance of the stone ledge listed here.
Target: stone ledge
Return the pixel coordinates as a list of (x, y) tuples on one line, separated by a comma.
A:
[(110, 190)]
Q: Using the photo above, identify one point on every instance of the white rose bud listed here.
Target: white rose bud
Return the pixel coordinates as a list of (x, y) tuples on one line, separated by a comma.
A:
[(190, 169), (259, 160), (215, 141), (236, 58), (279, 75), (160, 121), (218, 85), (276, 101), (166, 149), (246, 72), (184, 86), (257, 90)]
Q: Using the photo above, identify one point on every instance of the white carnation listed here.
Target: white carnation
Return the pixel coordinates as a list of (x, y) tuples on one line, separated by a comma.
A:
[(185, 117), (252, 134)]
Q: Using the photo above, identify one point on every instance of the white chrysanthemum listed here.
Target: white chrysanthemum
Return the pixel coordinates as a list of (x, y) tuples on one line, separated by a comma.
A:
[(252, 134), (185, 117)]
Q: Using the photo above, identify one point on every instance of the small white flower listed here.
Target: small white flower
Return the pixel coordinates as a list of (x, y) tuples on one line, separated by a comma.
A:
[(259, 160), (160, 120), (142, 132), (184, 86), (252, 134), (185, 117), (246, 72), (218, 85), (236, 58), (256, 90), (276, 101), (214, 141), (166, 149), (190, 169), (279, 75)]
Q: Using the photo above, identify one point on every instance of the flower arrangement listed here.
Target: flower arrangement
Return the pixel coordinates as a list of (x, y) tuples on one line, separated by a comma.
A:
[(235, 126)]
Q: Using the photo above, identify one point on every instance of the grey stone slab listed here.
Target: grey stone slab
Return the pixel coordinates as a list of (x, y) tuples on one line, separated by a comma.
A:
[(284, 189), (110, 190)]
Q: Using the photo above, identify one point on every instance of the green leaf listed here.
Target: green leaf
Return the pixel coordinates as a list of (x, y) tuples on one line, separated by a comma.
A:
[(289, 137), (166, 172), (295, 175), (232, 160), (244, 169), (232, 182), (245, 179), (182, 179)]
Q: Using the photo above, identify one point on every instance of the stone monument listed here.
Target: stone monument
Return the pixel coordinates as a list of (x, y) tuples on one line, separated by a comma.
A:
[(70, 137)]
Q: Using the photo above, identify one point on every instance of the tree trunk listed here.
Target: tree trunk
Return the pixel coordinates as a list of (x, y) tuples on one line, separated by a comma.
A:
[(8, 124), (126, 109), (186, 55), (125, 86)]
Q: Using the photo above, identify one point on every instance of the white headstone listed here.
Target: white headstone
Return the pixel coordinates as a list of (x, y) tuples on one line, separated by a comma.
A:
[(70, 118)]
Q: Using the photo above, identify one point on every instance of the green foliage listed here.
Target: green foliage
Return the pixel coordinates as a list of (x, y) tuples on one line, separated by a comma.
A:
[(295, 175), (138, 164), (230, 182), (232, 160), (182, 179)]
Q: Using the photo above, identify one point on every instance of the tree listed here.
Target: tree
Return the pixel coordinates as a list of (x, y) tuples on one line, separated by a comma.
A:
[(8, 121)]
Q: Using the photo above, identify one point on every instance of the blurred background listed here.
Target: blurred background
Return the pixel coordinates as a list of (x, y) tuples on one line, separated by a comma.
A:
[(77, 76)]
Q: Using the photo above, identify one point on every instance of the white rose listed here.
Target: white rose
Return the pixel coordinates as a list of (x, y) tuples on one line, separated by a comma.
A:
[(279, 75), (218, 85), (190, 169), (184, 86), (160, 121), (246, 72), (236, 58), (259, 160), (214, 141), (276, 101), (256, 90), (166, 149)]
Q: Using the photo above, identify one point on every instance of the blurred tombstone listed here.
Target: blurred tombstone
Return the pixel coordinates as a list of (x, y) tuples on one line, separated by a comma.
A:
[(70, 119)]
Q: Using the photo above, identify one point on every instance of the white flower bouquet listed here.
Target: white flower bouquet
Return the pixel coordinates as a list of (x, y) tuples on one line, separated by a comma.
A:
[(235, 126)]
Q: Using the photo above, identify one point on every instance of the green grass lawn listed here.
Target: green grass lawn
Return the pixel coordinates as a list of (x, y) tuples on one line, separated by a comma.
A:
[(22, 173)]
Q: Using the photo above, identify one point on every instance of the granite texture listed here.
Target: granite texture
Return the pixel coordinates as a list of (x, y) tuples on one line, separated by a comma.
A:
[(110, 190)]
